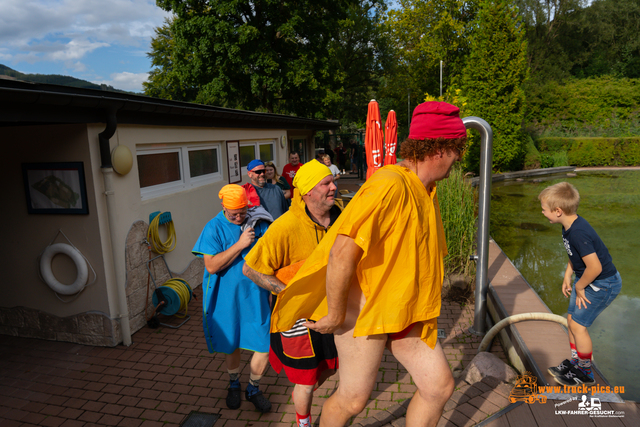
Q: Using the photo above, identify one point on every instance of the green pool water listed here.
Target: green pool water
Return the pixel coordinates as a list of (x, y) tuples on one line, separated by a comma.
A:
[(610, 201)]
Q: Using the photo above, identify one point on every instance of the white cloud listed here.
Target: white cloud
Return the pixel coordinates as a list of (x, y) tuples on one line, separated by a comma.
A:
[(69, 29), (126, 81)]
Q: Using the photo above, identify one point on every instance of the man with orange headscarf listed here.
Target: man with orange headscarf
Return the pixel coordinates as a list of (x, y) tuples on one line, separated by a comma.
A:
[(236, 312), (374, 281)]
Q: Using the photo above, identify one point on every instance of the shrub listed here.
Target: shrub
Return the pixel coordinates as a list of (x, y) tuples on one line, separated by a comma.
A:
[(458, 210), (591, 151)]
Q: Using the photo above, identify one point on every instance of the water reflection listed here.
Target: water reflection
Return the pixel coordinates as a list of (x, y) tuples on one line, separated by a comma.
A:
[(609, 201)]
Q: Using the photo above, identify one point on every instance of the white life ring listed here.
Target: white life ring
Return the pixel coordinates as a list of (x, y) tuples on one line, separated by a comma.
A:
[(76, 257)]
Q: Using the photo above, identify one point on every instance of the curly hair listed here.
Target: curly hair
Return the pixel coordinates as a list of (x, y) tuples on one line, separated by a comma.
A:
[(420, 149)]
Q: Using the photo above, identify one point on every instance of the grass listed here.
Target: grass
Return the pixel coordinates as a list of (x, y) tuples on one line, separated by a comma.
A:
[(458, 210)]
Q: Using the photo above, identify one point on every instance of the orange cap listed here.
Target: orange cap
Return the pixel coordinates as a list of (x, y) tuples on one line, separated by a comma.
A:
[(233, 196)]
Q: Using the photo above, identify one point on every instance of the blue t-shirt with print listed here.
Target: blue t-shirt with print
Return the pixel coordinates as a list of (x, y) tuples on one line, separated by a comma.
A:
[(581, 240)]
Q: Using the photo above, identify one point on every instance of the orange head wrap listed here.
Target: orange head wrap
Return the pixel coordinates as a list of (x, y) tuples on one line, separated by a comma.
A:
[(233, 196)]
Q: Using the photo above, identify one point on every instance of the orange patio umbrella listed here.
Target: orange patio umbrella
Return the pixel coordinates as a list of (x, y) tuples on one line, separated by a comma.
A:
[(390, 138), (373, 139)]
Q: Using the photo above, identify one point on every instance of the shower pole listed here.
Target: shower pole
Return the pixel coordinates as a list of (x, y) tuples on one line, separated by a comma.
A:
[(482, 285)]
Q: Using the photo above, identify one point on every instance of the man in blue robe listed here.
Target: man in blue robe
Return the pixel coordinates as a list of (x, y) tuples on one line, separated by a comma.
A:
[(236, 311)]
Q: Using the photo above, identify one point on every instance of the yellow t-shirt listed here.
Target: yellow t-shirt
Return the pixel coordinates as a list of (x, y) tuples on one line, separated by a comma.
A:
[(397, 224)]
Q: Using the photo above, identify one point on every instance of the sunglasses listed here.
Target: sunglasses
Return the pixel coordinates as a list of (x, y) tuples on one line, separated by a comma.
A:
[(258, 172)]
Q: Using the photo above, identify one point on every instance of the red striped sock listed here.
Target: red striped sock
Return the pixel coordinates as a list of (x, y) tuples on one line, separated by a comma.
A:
[(584, 363), (574, 353)]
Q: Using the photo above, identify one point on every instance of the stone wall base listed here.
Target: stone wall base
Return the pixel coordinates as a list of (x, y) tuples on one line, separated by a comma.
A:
[(97, 328), (91, 328)]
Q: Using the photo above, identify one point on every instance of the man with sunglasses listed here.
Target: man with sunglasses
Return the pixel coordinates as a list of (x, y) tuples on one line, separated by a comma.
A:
[(271, 196)]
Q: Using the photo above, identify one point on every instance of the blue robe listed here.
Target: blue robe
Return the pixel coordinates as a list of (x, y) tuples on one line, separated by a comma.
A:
[(236, 310)]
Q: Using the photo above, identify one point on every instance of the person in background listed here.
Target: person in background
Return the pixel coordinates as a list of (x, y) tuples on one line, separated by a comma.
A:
[(354, 156), (341, 156), (271, 196), (236, 312), (333, 168), (271, 173), (289, 170)]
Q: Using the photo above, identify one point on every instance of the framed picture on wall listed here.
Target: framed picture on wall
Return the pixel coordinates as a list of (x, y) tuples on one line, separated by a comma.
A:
[(55, 188), (233, 163)]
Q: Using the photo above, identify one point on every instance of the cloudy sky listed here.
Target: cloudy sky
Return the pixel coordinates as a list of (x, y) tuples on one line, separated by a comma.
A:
[(102, 41)]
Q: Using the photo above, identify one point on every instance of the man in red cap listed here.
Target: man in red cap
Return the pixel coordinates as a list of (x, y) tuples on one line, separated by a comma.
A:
[(375, 279)]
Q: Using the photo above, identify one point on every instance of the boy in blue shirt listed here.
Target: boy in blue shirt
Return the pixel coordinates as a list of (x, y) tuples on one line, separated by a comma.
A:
[(596, 285)]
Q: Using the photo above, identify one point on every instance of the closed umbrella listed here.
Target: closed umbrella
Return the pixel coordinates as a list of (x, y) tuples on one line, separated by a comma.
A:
[(373, 139), (390, 139)]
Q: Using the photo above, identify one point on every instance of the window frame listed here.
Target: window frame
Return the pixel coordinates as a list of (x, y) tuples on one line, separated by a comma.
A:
[(186, 182), (256, 150)]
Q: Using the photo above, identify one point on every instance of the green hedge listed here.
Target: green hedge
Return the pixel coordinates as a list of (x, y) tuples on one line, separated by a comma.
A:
[(594, 151), (596, 107)]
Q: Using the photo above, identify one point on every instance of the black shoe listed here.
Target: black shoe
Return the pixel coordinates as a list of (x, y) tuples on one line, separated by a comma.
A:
[(561, 369), (575, 377), (233, 396), (261, 403)]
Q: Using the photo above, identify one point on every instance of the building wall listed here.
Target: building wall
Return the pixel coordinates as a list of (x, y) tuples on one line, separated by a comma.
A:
[(28, 306), (115, 246)]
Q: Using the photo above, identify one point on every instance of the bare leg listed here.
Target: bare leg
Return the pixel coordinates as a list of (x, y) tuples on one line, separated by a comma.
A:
[(430, 372), (359, 362), (303, 394), (581, 337), (302, 398), (233, 360), (572, 339), (259, 363)]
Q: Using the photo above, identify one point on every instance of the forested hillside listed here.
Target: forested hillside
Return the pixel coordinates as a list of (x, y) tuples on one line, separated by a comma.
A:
[(54, 79)]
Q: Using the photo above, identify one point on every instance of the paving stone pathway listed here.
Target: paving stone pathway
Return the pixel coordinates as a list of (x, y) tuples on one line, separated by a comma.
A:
[(168, 373)]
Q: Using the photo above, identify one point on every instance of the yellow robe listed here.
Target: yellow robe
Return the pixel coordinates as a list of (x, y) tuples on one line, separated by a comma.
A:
[(397, 224)]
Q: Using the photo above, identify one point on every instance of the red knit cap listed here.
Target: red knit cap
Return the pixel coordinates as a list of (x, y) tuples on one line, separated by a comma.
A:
[(436, 120)]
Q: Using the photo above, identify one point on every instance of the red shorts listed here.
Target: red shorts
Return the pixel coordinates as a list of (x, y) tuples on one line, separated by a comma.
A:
[(403, 333)]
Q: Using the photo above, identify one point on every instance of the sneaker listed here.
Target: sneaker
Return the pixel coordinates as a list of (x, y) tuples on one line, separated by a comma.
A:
[(233, 395), (575, 377), (255, 396), (561, 369)]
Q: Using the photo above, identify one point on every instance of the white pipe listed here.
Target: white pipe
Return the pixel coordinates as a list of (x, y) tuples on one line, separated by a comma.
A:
[(515, 319), (123, 315)]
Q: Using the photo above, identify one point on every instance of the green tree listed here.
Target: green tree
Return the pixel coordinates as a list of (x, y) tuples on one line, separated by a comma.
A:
[(548, 25), (309, 58), (164, 81), (608, 39), (422, 34), (492, 83)]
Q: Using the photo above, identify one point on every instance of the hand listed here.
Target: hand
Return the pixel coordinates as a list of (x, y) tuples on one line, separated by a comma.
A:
[(581, 298), (324, 326), (247, 238), (566, 288)]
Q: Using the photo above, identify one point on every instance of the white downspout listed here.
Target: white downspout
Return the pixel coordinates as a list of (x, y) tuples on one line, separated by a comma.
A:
[(123, 316)]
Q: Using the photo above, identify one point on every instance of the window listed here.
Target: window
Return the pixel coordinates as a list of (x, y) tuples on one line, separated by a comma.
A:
[(166, 170), (250, 150)]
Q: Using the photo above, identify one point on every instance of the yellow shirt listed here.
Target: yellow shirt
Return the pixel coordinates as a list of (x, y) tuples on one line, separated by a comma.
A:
[(397, 224), (289, 240)]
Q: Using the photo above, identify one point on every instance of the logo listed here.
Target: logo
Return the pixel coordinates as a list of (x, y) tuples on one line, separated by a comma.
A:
[(527, 390), (567, 246)]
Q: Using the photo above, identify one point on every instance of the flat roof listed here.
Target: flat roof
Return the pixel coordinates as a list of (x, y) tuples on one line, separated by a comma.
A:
[(25, 103)]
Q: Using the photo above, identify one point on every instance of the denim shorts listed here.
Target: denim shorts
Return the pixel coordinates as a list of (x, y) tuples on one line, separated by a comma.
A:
[(609, 290)]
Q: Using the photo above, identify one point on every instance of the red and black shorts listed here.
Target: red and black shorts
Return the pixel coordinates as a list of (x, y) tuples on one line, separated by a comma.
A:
[(304, 354)]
